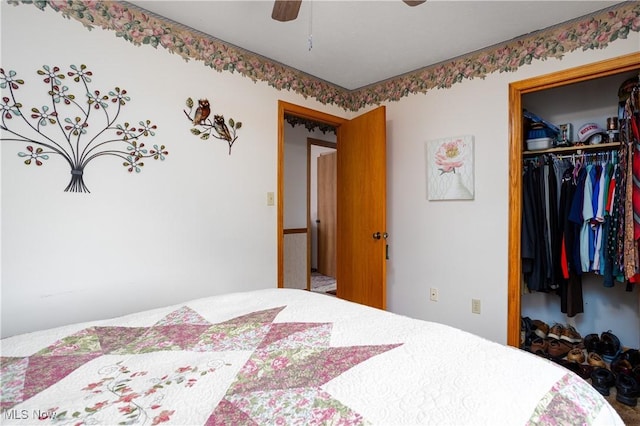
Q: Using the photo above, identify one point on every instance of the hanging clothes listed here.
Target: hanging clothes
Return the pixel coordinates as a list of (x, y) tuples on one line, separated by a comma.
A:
[(541, 236), (534, 255), (571, 285), (566, 223), (629, 242), (581, 214), (631, 139), (608, 249)]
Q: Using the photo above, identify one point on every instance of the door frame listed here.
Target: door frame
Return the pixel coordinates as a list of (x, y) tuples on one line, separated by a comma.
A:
[(310, 114)]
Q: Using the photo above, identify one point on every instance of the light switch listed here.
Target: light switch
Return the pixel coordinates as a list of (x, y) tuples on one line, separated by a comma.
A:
[(475, 306), (270, 199)]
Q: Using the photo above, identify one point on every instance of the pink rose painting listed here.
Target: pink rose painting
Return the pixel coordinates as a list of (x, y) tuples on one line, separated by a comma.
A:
[(450, 168)]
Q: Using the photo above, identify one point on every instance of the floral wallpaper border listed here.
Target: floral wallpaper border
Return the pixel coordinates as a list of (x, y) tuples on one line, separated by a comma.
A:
[(141, 28)]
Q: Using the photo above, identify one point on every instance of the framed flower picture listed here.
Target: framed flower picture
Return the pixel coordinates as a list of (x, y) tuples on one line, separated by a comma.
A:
[(450, 168)]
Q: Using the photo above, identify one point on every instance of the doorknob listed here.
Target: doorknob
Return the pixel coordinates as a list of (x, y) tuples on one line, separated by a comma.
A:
[(377, 235)]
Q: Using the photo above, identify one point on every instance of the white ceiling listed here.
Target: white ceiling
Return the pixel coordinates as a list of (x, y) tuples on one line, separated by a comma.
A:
[(361, 42)]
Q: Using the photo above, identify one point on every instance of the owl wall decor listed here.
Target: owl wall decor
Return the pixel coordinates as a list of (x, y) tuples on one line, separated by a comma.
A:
[(206, 128), (202, 112)]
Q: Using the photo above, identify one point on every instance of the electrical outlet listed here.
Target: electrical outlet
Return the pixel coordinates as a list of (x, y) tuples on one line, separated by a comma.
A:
[(433, 294), (475, 306)]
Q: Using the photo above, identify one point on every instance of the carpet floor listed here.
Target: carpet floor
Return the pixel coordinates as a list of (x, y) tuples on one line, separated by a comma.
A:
[(322, 283), (630, 415)]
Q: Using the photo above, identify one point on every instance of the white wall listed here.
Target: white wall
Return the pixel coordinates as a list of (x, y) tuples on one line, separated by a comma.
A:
[(295, 177), (196, 224)]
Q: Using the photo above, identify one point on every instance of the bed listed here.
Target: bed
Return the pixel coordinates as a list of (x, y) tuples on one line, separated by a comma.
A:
[(283, 356)]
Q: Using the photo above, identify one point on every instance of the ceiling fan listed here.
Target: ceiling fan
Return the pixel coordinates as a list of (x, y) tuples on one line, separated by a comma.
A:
[(287, 10)]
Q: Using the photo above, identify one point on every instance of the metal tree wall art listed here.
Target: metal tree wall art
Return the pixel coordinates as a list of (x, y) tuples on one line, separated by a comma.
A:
[(77, 128), (207, 128)]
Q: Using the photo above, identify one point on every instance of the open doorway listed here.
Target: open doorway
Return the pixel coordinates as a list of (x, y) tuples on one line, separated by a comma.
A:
[(322, 190), (306, 144), (361, 243), (303, 135)]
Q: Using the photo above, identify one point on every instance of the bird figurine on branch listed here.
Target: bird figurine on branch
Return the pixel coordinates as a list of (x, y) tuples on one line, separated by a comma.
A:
[(202, 112), (207, 128)]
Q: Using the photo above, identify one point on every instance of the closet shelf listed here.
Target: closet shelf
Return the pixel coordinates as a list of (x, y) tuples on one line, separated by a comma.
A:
[(576, 148)]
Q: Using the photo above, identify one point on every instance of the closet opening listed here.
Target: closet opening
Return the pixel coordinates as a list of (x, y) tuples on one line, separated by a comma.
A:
[(549, 95)]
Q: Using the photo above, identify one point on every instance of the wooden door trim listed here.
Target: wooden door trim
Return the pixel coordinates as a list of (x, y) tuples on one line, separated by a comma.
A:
[(294, 231), (516, 90), (302, 112)]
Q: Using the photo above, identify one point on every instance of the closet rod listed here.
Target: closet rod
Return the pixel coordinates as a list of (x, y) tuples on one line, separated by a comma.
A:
[(605, 155)]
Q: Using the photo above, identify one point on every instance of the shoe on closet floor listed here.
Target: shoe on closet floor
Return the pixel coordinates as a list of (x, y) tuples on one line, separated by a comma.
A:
[(555, 332), (633, 356), (559, 348), (592, 343), (582, 370), (627, 362), (539, 346), (627, 390), (576, 355), (602, 379), (540, 328), (620, 365), (570, 334), (586, 370), (610, 345), (570, 365), (525, 331), (596, 360)]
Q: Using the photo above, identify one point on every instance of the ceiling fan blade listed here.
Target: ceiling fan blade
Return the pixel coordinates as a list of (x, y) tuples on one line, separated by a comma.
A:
[(414, 2), (285, 10)]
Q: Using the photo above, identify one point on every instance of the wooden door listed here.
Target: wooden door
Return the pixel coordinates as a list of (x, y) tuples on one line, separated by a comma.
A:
[(326, 199), (361, 209), (361, 202)]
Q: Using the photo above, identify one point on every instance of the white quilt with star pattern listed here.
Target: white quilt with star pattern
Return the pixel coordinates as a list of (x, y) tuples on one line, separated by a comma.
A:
[(281, 356)]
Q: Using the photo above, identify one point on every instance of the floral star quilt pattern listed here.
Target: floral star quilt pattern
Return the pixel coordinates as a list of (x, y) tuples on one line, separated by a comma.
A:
[(274, 357)]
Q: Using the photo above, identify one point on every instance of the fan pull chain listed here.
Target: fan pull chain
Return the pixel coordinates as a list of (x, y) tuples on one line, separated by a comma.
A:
[(310, 39)]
